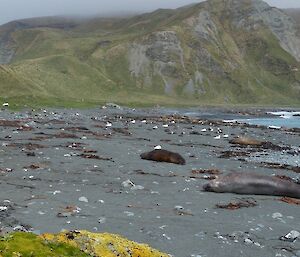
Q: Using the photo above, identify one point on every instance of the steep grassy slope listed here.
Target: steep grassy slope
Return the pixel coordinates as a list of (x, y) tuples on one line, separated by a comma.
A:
[(215, 52)]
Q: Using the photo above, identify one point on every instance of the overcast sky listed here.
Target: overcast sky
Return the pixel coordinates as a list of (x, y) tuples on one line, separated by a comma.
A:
[(18, 9)]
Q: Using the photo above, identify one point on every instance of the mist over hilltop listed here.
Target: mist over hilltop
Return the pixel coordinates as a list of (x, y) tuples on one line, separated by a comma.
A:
[(16, 9)]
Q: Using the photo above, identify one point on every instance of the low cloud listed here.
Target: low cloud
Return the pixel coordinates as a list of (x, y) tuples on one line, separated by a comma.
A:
[(18, 9)]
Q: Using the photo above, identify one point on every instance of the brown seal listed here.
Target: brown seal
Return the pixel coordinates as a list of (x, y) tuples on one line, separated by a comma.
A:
[(163, 156), (246, 141), (253, 184)]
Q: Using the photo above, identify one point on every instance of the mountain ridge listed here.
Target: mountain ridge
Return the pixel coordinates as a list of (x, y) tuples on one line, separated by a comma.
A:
[(214, 52)]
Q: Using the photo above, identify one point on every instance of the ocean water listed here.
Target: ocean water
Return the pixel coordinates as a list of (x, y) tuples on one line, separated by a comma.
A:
[(274, 122), (275, 119), (281, 119)]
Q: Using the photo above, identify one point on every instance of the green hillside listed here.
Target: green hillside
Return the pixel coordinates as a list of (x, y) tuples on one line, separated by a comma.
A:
[(215, 52)]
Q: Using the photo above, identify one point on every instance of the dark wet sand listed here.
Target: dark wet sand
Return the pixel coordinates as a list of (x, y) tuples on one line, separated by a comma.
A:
[(165, 207)]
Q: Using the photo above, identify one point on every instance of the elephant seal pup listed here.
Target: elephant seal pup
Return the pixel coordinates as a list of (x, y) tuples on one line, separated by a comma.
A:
[(163, 156), (253, 184)]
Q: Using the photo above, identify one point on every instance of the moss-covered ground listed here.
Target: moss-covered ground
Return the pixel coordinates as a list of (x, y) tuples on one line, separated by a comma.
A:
[(73, 244)]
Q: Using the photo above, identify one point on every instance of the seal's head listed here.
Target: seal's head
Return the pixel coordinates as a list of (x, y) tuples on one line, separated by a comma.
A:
[(207, 187), (212, 186), (177, 158), (218, 185)]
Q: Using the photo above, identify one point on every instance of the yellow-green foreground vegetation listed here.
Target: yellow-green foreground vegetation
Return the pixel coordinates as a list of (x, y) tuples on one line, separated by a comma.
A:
[(75, 244)]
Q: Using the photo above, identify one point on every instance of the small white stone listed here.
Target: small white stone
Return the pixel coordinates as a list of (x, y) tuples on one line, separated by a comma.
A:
[(292, 235), (3, 208), (167, 237), (83, 199), (102, 220), (129, 214), (276, 215), (137, 187), (128, 183)]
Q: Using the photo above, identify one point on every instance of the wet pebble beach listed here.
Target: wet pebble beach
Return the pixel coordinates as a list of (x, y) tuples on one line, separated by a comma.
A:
[(81, 169)]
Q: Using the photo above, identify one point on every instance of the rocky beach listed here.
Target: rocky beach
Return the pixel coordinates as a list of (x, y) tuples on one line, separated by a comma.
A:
[(81, 169)]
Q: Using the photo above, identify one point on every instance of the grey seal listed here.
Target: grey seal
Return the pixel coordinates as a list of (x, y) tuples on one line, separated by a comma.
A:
[(253, 184)]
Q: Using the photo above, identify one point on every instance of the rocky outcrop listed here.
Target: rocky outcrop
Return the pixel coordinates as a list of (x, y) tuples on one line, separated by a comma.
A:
[(205, 48), (7, 44), (252, 14), (159, 54), (7, 48), (6, 53), (295, 14)]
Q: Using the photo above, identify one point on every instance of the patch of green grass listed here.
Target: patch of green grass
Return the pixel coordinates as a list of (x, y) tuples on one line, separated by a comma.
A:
[(30, 245)]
